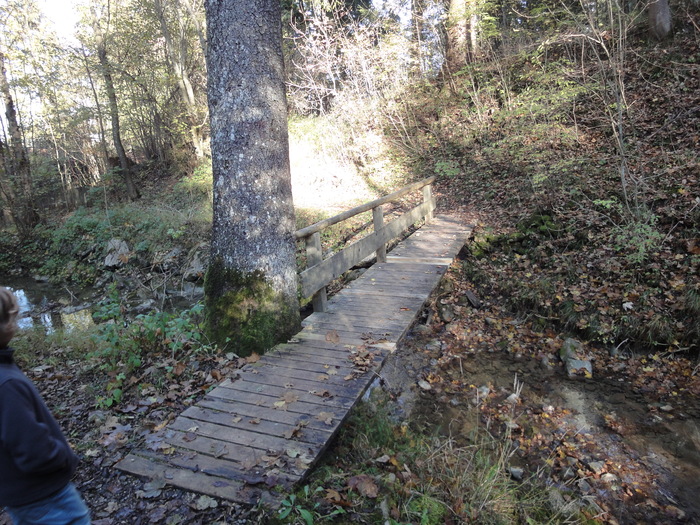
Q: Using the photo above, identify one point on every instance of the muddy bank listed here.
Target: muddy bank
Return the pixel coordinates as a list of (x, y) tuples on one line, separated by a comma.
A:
[(601, 439)]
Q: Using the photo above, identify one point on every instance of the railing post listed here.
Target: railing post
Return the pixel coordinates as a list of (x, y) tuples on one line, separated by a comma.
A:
[(314, 256), (428, 197), (378, 220)]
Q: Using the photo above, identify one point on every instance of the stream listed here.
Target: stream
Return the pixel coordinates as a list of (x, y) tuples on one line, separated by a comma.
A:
[(48, 306)]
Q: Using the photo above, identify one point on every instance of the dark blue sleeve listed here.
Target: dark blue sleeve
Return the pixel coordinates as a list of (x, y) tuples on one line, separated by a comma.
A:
[(29, 431)]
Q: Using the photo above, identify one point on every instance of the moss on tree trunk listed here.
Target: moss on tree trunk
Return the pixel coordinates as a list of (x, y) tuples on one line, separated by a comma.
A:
[(244, 311)]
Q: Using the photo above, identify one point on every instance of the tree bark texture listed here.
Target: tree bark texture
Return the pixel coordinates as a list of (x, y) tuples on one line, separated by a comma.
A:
[(659, 19), (16, 164), (251, 285)]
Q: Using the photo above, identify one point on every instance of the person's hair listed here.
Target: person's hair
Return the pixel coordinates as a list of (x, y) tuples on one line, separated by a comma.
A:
[(9, 309)]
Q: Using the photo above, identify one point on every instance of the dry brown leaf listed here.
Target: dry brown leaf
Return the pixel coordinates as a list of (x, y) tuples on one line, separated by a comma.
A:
[(332, 336), (290, 397), (252, 358), (365, 485), (321, 393)]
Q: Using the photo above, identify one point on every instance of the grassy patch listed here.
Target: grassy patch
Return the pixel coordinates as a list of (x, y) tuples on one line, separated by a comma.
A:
[(381, 471)]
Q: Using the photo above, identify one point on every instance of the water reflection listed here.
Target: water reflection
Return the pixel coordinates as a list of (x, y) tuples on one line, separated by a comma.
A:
[(25, 309), (43, 305)]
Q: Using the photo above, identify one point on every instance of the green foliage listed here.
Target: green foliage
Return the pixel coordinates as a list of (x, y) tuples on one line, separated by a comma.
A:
[(430, 510), (447, 481), (77, 246), (301, 508), (123, 345), (199, 184), (447, 168)]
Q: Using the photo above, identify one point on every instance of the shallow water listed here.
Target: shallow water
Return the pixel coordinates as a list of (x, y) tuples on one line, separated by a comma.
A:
[(47, 305)]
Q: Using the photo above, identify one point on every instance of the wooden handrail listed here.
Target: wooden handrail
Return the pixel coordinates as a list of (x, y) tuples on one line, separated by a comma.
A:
[(320, 272), (325, 223)]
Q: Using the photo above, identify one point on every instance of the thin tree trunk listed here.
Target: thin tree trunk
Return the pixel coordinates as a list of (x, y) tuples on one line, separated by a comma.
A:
[(98, 106), (417, 8), (176, 61), (131, 189), (457, 43)]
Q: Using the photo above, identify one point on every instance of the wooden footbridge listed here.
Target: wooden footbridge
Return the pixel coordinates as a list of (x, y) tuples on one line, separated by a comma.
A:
[(266, 427)]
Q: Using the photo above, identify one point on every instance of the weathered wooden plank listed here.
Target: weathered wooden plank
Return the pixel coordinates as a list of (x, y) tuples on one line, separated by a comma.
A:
[(304, 362), (253, 472), (269, 422), (315, 356), (281, 376), (310, 402), (305, 336), (295, 414), (318, 276), (238, 436), (210, 446), (267, 383), (354, 320), (364, 323), (196, 481)]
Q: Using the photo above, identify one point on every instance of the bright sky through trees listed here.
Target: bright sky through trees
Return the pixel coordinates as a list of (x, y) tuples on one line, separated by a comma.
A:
[(63, 14)]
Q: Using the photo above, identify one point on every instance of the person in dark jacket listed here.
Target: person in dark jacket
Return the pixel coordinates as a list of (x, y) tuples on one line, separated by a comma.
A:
[(36, 461)]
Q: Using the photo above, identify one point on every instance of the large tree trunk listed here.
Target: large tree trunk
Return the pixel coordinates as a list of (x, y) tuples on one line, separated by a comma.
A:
[(131, 189), (251, 284), (17, 162), (659, 19)]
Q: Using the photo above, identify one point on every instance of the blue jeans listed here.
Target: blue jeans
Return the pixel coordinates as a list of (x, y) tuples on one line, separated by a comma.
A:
[(66, 507)]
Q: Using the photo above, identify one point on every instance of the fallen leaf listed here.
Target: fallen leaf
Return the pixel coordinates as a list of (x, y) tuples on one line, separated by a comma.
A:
[(219, 450), (333, 495), (290, 397), (205, 502), (321, 393), (364, 485), (332, 336), (326, 417), (293, 452), (255, 421)]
